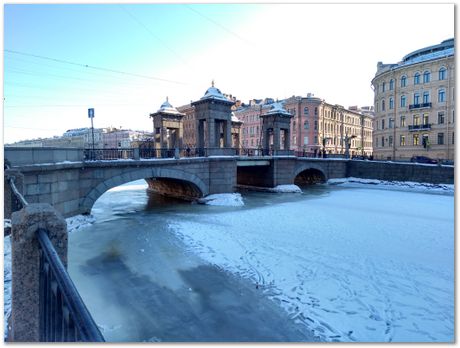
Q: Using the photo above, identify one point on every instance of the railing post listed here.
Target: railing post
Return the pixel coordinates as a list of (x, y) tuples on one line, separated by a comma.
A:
[(25, 259)]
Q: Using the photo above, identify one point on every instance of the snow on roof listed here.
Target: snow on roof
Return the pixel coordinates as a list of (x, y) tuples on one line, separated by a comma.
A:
[(166, 107), (214, 93), (277, 108), (235, 119)]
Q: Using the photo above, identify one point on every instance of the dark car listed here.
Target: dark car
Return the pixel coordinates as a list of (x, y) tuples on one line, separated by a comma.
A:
[(423, 159)]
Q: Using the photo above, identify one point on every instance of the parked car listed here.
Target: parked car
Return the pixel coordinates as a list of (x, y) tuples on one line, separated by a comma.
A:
[(423, 159)]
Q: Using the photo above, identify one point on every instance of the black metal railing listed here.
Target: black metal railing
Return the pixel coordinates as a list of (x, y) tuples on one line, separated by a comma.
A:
[(417, 127), (419, 106), (64, 316), (108, 154)]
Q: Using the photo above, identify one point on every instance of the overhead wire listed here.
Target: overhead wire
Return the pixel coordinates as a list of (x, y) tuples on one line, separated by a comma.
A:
[(93, 67)]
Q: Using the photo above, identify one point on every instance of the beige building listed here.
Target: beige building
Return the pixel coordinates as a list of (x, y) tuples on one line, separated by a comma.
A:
[(316, 126), (414, 105)]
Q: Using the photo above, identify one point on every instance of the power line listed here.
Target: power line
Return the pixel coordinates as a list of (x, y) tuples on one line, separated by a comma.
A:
[(154, 35), (93, 67)]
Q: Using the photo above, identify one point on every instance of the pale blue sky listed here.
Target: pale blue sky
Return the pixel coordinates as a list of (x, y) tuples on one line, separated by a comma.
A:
[(252, 51)]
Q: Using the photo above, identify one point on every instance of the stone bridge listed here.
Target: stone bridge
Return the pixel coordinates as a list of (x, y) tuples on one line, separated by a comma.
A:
[(63, 179)]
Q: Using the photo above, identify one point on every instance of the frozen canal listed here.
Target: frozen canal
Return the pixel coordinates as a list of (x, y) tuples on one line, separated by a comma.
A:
[(354, 263)]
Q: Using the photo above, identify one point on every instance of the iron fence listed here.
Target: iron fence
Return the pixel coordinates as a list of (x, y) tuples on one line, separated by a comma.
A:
[(108, 154), (63, 315)]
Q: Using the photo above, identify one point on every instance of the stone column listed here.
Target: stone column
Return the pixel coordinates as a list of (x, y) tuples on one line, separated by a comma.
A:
[(276, 138), (200, 134), (25, 258), (287, 139), (228, 134), (212, 133)]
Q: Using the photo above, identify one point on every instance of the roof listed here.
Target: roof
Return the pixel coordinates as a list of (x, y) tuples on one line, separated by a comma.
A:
[(277, 108), (167, 108)]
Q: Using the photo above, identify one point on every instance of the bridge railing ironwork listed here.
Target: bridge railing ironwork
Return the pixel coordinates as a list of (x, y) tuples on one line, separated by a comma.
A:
[(63, 314), (108, 154)]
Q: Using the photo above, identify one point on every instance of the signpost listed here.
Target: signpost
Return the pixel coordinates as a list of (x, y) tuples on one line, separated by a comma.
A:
[(91, 116)]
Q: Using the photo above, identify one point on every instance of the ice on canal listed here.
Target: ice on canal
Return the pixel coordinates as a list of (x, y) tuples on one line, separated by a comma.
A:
[(346, 262), (353, 264)]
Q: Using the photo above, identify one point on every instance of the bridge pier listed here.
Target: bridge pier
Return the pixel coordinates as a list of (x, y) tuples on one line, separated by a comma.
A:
[(25, 258)]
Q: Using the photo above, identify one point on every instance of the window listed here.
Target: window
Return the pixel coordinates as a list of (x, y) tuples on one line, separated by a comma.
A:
[(402, 122), (316, 111), (316, 139), (383, 141), (416, 98), (316, 125), (426, 77), (383, 124), (402, 140), (440, 138), (416, 78), (391, 84), (416, 120), (383, 105), (442, 73), (294, 140), (403, 101), (426, 97), (425, 118), (441, 95), (391, 103), (383, 86), (416, 140), (403, 81), (390, 140), (305, 140), (425, 141), (391, 123), (441, 117), (305, 110), (306, 125)]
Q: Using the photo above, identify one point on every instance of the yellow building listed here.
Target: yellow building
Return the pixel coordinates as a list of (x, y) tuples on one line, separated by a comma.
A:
[(414, 105)]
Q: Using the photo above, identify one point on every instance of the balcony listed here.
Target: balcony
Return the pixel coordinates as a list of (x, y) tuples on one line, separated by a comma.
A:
[(420, 127), (419, 106)]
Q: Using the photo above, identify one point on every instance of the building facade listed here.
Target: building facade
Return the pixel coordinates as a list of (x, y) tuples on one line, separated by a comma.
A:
[(317, 127), (414, 105)]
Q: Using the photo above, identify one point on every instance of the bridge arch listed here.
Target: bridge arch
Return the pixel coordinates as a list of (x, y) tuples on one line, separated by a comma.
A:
[(171, 176), (309, 174)]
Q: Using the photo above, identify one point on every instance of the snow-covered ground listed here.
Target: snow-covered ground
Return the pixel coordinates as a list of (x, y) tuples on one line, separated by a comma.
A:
[(355, 265)]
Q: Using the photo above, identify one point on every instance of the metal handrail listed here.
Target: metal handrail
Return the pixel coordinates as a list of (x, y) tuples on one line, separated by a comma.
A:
[(64, 316)]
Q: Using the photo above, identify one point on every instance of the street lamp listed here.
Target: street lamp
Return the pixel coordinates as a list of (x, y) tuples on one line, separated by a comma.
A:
[(324, 145), (347, 144)]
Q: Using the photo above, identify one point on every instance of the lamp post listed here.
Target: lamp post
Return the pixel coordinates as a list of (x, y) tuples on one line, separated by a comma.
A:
[(347, 144), (324, 145), (91, 116)]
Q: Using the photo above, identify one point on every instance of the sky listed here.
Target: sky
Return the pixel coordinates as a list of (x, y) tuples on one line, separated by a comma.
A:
[(124, 59)]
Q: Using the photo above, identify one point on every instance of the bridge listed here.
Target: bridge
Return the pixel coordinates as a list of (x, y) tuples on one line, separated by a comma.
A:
[(71, 181)]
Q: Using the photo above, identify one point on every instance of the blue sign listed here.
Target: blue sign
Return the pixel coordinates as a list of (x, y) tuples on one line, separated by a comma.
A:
[(90, 113)]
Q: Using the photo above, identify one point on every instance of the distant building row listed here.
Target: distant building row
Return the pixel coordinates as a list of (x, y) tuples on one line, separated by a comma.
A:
[(104, 138)]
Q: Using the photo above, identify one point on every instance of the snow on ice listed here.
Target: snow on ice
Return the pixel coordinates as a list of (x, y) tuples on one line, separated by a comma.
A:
[(223, 199), (353, 265)]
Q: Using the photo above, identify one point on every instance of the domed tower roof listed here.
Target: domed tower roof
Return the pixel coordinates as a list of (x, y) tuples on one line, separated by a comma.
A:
[(277, 108), (166, 107), (214, 93)]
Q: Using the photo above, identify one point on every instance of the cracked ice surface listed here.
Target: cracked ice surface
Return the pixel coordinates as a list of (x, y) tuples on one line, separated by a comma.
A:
[(357, 264)]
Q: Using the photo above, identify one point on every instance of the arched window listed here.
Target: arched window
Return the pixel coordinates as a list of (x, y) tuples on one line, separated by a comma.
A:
[(416, 78), (441, 95), (305, 110), (403, 81), (306, 125), (391, 103), (383, 86), (403, 101), (383, 105), (442, 73), (426, 77), (391, 84)]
